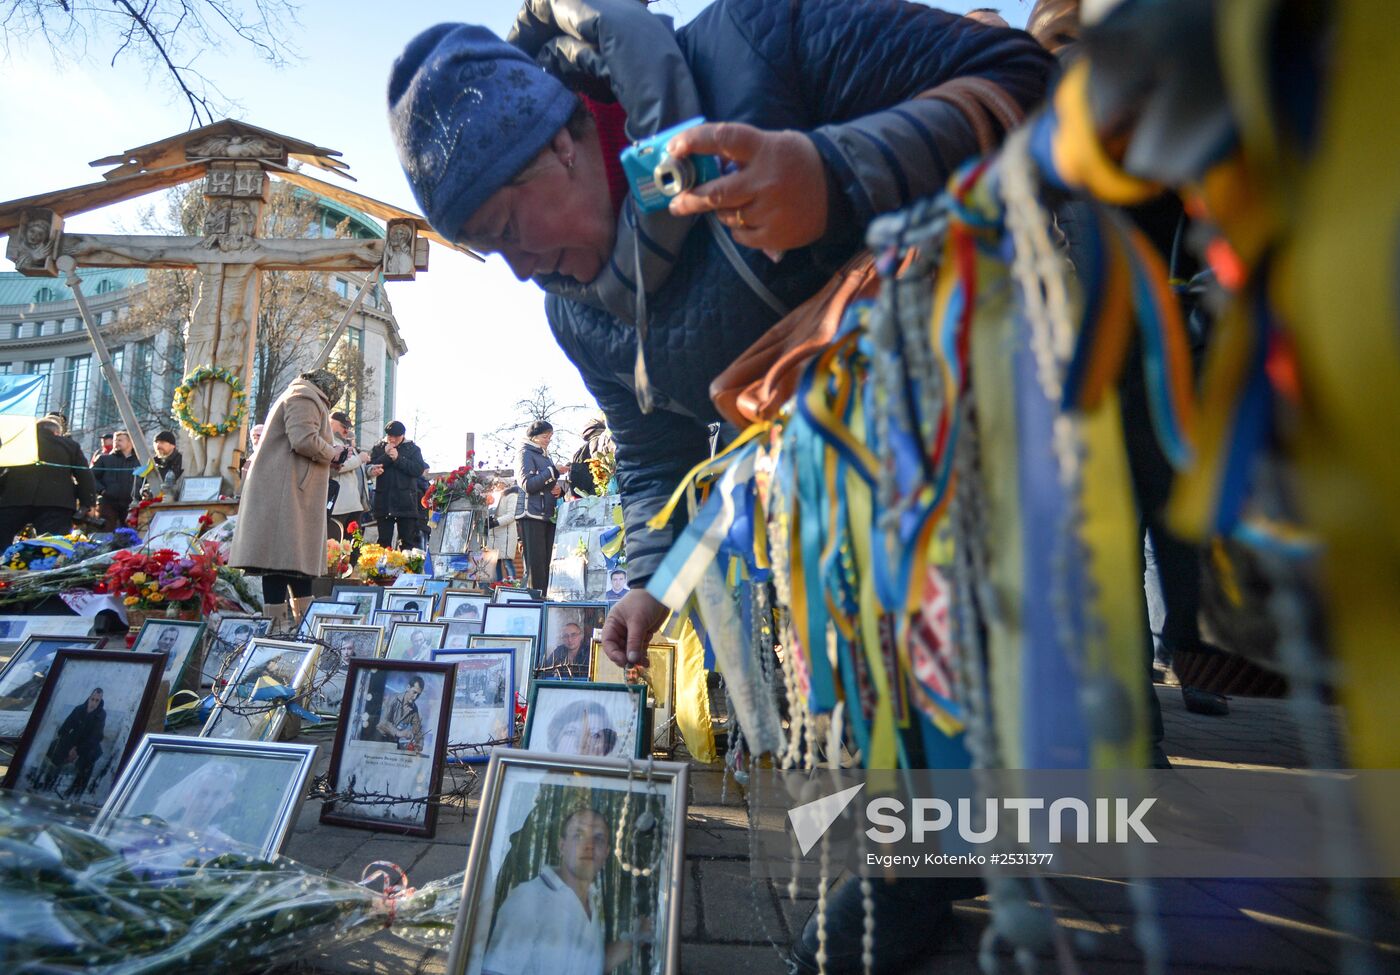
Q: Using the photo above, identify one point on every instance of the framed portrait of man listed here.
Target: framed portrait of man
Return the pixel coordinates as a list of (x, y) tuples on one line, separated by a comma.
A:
[(391, 746), (327, 607), (237, 715), (24, 674), (554, 834), (173, 639), (659, 677), (513, 619), (414, 641), (353, 640), (89, 715), (587, 718), (234, 796), (461, 605), (524, 647), (386, 618), (365, 598), (483, 702), (410, 602), (566, 636), (228, 640)]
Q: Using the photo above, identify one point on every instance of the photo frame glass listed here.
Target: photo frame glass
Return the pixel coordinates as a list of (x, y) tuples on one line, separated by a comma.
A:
[(524, 647), (236, 716), (386, 618), (538, 820), (172, 639), (354, 640), (483, 702), (414, 641), (513, 619), (568, 632), (365, 598), (325, 607), (459, 633), (174, 529), (201, 489), (457, 605), (23, 677), (455, 533), (512, 594), (391, 744), (228, 640), (417, 603), (235, 796), (659, 676), (586, 718), (95, 707)]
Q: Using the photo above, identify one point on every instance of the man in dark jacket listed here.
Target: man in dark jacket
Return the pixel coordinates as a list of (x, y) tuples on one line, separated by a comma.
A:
[(45, 494), (397, 498), (115, 473), (829, 133), (169, 466), (78, 743)]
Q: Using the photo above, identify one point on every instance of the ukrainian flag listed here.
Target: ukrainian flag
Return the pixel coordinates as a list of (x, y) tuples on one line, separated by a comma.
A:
[(19, 445)]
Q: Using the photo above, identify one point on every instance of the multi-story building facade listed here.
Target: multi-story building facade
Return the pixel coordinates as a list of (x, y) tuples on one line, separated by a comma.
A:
[(41, 332)]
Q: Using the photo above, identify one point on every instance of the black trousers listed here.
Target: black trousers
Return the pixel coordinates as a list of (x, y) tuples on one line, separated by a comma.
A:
[(46, 519), (276, 585), (538, 537), (408, 531), (113, 514)]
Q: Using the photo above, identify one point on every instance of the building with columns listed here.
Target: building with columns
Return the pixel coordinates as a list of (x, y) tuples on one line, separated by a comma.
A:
[(41, 332)]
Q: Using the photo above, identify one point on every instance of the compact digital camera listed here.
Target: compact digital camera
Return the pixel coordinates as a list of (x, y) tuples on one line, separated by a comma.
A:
[(656, 175)]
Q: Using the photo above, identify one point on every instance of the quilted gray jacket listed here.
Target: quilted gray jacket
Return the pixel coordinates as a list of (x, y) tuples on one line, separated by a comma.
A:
[(842, 71)]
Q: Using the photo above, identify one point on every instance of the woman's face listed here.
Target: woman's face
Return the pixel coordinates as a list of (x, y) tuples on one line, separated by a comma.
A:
[(556, 218)]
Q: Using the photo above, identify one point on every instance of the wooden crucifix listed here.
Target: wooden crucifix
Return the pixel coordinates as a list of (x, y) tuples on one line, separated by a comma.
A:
[(228, 260)]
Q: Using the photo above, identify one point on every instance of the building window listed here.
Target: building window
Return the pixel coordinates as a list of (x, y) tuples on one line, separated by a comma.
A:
[(44, 294), (108, 416), (7, 330), (6, 368), (42, 368), (390, 376), (68, 325), (104, 286), (342, 287), (75, 391), (27, 330), (48, 328), (142, 366)]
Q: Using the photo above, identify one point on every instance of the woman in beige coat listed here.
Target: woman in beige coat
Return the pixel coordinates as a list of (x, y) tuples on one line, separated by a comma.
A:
[(281, 530)]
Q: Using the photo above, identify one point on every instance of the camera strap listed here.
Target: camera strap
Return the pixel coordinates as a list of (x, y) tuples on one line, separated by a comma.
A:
[(731, 252)]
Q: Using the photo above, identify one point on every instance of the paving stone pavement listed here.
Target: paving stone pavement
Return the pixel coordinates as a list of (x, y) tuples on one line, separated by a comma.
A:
[(733, 923)]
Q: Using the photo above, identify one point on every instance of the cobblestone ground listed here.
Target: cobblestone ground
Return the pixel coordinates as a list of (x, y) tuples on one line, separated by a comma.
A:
[(734, 924)]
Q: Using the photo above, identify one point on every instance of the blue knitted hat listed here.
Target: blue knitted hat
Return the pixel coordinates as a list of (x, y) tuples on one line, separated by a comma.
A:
[(468, 112)]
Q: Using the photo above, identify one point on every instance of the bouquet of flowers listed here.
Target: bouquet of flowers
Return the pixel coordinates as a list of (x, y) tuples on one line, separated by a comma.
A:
[(52, 551), (342, 554), (602, 465), (380, 565), (163, 579), (462, 484), (133, 517)]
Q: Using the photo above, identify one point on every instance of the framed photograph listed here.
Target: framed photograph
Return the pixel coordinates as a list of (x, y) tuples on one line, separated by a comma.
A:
[(524, 647), (23, 677), (366, 598), (386, 618), (414, 641), (14, 629), (568, 633), (512, 594), (459, 632), (173, 529), (460, 605), (617, 586), (201, 488), (410, 602), (410, 580), (89, 716), (233, 635), (454, 534), (236, 716), (234, 795), (483, 702), (326, 607), (392, 745), (436, 587), (353, 639), (615, 832), (513, 619), (659, 676), (172, 639), (586, 718)]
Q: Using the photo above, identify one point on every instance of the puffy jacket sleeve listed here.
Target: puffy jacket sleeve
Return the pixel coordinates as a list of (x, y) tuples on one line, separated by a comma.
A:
[(302, 418), (862, 65), (533, 477)]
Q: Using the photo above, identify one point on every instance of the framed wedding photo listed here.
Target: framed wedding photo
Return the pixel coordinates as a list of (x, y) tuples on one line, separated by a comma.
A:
[(23, 676), (90, 714), (414, 641), (236, 796), (172, 639), (483, 702), (606, 827), (391, 746), (586, 718), (232, 636), (236, 715), (566, 636)]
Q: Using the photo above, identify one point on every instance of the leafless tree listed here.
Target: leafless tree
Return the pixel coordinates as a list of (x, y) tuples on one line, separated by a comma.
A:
[(165, 35), (540, 404)]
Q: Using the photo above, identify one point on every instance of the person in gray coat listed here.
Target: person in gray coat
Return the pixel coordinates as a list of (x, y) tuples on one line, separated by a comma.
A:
[(539, 477)]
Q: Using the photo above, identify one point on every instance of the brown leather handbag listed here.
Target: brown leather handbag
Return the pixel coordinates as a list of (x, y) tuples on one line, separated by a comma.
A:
[(757, 384)]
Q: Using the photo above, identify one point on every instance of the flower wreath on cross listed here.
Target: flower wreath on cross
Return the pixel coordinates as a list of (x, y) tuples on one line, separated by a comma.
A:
[(197, 427)]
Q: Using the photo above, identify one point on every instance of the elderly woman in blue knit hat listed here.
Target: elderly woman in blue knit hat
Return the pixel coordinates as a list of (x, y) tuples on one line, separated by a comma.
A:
[(512, 147)]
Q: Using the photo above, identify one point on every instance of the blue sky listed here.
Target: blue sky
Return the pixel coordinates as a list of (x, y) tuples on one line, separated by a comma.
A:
[(477, 338)]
